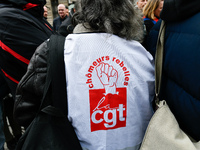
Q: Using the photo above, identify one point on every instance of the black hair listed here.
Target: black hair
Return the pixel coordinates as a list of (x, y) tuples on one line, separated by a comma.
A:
[(117, 17)]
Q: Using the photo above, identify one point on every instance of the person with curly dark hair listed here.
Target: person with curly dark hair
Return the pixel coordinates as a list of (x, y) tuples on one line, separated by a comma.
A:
[(109, 76), (110, 18)]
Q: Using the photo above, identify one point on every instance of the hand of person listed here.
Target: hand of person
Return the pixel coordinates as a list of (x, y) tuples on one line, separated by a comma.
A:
[(108, 76)]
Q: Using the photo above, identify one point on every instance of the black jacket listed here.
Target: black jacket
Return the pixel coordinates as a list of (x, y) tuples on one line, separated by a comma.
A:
[(181, 72), (30, 88), (177, 10), (57, 22), (66, 27), (22, 30)]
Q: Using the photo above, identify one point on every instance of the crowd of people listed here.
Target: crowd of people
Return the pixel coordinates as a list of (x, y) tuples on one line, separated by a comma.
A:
[(109, 67), (63, 23)]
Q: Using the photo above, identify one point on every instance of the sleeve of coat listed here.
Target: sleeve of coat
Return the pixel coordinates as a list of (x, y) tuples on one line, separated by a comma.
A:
[(30, 88)]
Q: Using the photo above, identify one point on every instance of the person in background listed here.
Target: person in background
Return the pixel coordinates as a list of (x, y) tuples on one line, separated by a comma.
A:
[(181, 72), (67, 11), (25, 30), (62, 16), (140, 4), (110, 77), (45, 12), (67, 27), (151, 13), (22, 30)]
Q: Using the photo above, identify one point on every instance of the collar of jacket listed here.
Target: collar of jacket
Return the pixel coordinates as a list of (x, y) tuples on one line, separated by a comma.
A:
[(83, 28), (177, 10)]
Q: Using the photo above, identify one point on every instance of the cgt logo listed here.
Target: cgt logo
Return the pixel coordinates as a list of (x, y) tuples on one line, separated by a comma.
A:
[(112, 119), (107, 112), (107, 106)]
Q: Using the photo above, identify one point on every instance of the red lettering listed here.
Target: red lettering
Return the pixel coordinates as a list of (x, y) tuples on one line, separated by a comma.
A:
[(107, 58), (89, 75), (89, 81), (99, 60), (117, 61), (126, 83), (94, 63), (91, 69), (91, 85), (126, 78), (124, 68), (121, 64)]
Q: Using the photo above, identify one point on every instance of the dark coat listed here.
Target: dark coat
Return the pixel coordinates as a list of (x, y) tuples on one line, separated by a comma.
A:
[(31, 87), (22, 30), (66, 27), (181, 74), (149, 23), (57, 22)]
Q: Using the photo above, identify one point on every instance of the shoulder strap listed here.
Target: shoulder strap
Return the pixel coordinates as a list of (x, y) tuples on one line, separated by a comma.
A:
[(55, 92), (56, 60), (159, 59), (59, 91), (55, 88)]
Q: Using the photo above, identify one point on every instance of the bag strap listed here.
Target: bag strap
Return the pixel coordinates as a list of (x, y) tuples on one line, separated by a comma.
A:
[(55, 92), (57, 87), (56, 56), (159, 59)]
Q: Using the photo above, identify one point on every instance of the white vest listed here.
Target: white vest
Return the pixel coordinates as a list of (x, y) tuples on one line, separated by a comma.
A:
[(110, 87)]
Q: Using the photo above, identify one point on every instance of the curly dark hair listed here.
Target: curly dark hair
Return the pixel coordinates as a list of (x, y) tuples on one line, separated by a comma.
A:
[(117, 17)]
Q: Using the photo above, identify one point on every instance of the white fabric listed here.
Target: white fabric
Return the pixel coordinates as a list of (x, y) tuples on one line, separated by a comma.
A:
[(110, 87)]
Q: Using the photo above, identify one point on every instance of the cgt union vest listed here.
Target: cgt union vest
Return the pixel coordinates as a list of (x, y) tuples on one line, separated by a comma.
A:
[(110, 86)]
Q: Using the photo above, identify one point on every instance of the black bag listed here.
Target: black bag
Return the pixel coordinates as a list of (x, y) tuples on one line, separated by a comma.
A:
[(51, 129)]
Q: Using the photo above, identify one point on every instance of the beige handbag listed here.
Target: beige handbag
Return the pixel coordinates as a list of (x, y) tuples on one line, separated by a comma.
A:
[(163, 131)]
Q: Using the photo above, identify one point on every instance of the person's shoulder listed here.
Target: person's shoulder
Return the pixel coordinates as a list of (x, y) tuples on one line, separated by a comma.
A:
[(149, 21), (14, 17), (7, 10), (56, 19)]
